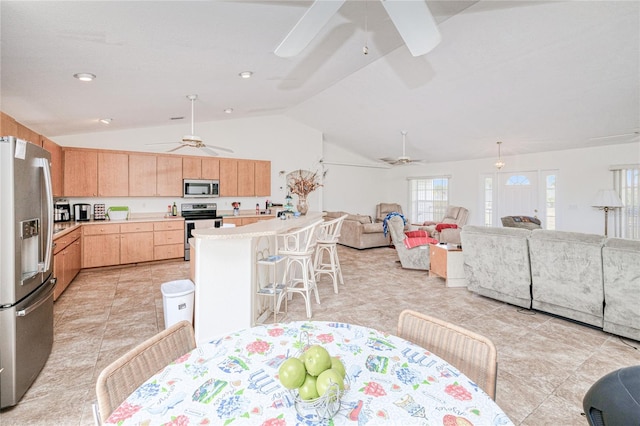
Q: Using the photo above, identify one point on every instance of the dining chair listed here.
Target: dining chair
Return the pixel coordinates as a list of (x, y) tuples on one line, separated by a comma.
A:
[(122, 377), (298, 247), (327, 243), (474, 355)]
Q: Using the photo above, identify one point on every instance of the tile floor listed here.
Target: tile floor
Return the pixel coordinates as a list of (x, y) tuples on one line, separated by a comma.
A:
[(546, 364)]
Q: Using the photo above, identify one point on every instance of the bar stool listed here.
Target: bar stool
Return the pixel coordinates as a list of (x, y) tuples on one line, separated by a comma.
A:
[(328, 233), (298, 247)]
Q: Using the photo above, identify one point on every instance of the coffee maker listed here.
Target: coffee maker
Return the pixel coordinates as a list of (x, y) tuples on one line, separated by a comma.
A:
[(61, 211), (82, 212)]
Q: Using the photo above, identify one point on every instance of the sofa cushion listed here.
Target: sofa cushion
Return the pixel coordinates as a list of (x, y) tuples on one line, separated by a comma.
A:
[(369, 228), (359, 218), (334, 215)]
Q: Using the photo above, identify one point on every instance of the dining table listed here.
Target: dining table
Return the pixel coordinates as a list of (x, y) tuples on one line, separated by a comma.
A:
[(233, 380)]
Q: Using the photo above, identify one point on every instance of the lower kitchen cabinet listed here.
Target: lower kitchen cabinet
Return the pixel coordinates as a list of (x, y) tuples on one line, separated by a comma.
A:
[(168, 240), (67, 260), (136, 242), (101, 245)]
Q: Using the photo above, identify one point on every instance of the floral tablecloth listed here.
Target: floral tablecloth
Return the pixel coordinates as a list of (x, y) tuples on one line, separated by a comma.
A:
[(234, 380)]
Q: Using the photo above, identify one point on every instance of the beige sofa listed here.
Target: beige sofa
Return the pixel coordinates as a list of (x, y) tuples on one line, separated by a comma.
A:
[(359, 232)]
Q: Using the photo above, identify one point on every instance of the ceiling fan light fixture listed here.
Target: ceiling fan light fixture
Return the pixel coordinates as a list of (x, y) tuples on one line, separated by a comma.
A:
[(85, 76), (499, 164), (246, 74)]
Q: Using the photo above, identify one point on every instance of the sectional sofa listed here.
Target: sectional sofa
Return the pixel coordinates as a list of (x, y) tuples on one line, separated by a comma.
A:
[(587, 278), (358, 231)]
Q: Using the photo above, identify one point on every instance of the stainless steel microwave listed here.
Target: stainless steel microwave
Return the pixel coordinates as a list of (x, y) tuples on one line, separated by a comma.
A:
[(200, 188)]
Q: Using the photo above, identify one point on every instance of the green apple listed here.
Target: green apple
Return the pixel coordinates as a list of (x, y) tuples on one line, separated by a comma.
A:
[(292, 373), (326, 380), (308, 389), (336, 364), (316, 360)]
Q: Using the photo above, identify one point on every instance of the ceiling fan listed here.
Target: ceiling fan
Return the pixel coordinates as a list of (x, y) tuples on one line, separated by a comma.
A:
[(412, 19), (193, 141), (403, 159)]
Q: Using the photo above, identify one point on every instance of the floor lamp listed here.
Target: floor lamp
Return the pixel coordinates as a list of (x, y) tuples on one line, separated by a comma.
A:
[(607, 199)]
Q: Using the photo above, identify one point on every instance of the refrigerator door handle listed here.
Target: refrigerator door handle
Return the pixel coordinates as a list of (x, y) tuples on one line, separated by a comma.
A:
[(26, 311), (44, 163)]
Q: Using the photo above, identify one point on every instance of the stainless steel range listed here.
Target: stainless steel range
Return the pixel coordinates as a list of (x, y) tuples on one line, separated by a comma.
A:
[(198, 216)]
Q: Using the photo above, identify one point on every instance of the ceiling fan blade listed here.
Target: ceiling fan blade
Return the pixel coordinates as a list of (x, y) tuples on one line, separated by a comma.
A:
[(219, 148), (415, 23), (209, 151), (177, 148), (308, 27)]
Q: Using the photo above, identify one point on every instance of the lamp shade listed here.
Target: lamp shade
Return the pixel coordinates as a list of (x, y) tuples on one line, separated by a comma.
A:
[(607, 198)]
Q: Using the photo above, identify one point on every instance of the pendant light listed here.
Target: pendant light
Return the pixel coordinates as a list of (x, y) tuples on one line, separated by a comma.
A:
[(499, 164)]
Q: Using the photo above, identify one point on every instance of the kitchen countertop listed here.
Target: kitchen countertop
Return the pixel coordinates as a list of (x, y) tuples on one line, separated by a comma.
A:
[(261, 228), (63, 228)]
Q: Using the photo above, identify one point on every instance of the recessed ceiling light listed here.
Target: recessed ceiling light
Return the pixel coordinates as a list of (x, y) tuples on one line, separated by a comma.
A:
[(106, 121), (246, 74), (228, 110), (85, 76)]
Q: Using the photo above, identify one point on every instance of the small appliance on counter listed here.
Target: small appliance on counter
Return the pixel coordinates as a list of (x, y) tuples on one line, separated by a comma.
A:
[(99, 212), (61, 211), (82, 212), (118, 213)]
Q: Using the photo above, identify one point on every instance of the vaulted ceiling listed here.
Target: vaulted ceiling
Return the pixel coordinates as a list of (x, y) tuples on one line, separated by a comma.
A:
[(538, 76)]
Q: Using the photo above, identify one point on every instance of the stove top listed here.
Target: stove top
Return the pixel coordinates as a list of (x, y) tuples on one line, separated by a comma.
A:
[(199, 210)]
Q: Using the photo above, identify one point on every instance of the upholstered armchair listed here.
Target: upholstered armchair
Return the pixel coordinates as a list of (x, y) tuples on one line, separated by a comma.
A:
[(448, 229), (383, 209), (410, 258)]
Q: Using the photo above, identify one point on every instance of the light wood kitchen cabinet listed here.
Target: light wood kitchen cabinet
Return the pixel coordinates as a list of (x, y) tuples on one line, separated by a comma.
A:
[(262, 178), (246, 178), (67, 260), (80, 172), (142, 175), (191, 168), (168, 239), (113, 174), (101, 245), (136, 242), (8, 126), (228, 177), (200, 168), (210, 168), (169, 176), (56, 165), (241, 221)]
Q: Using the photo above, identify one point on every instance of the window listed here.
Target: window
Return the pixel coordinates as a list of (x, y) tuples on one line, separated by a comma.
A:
[(626, 183), (429, 198), (550, 201)]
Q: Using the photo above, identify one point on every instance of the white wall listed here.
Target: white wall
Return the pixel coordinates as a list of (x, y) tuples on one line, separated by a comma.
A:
[(288, 144), (581, 173)]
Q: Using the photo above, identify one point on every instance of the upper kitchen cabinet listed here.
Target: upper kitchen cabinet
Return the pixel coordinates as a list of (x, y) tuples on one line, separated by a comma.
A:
[(80, 172), (262, 178), (142, 175), (191, 168), (169, 176), (200, 168), (246, 178), (56, 165), (210, 168), (8, 126), (113, 174), (228, 177)]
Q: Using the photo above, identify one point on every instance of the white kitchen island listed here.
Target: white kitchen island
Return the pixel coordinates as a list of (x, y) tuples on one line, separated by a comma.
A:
[(223, 269)]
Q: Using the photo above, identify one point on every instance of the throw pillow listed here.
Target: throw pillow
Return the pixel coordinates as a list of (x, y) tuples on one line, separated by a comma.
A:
[(441, 226)]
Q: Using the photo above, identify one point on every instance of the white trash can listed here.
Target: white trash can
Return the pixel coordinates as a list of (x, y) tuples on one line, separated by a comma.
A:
[(177, 301)]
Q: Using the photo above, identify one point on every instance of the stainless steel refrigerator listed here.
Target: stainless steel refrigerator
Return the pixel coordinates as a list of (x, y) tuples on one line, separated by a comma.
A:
[(26, 281)]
